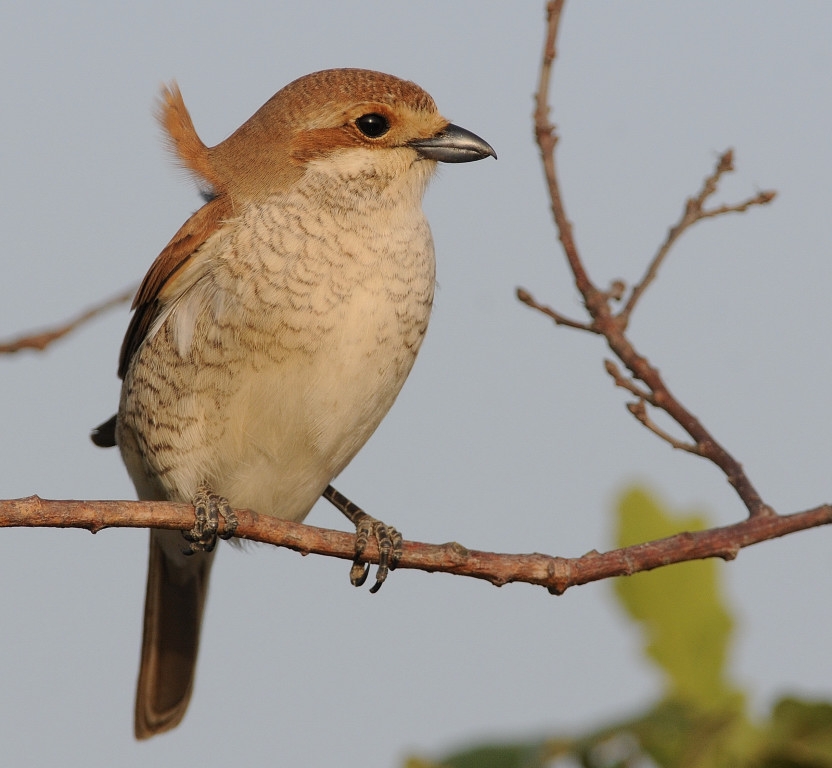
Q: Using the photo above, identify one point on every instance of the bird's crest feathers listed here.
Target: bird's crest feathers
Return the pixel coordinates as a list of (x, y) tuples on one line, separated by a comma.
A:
[(183, 140)]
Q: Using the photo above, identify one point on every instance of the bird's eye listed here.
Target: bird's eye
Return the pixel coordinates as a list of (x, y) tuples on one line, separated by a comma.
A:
[(373, 125)]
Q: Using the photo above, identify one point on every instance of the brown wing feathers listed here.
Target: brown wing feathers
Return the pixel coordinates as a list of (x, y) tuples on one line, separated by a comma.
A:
[(195, 157)]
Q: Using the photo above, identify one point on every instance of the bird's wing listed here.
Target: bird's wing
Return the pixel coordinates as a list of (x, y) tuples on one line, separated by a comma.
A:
[(162, 276)]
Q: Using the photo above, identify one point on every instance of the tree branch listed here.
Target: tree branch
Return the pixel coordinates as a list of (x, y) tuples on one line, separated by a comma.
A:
[(604, 321), (556, 574), (547, 139), (42, 339)]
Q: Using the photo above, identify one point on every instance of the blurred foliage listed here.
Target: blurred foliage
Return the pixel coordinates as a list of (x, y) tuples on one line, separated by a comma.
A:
[(701, 720)]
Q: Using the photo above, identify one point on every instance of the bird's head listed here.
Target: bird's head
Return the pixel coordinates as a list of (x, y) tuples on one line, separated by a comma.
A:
[(347, 122)]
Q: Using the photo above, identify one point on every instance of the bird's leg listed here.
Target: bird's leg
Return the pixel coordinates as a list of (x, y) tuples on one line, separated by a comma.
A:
[(208, 507), (388, 538)]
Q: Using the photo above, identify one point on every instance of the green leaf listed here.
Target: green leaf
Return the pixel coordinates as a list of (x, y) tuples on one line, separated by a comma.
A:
[(531, 754), (800, 735), (701, 721), (677, 733), (687, 628)]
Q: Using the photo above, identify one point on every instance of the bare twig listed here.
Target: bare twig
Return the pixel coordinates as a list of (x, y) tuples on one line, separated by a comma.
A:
[(761, 198), (42, 339), (612, 326), (559, 319), (547, 139), (621, 381), (556, 574), (694, 211), (639, 410)]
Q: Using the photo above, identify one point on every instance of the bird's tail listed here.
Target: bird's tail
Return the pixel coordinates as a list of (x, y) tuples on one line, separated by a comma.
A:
[(176, 589)]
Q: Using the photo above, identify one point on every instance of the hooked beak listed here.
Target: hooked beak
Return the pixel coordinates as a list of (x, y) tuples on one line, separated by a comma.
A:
[(454, 145)]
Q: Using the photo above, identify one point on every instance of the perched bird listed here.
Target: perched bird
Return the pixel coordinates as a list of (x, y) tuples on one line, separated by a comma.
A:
[(275, 330)]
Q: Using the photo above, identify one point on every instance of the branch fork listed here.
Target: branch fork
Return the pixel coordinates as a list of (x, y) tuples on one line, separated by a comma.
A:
[(644, 380)]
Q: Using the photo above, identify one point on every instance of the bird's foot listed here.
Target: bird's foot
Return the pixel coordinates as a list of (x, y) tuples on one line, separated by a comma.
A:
[(208, 507), (389, 550), (388, 538)]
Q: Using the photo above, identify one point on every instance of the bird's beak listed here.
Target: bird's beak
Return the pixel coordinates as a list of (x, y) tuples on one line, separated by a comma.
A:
[(454, 145)]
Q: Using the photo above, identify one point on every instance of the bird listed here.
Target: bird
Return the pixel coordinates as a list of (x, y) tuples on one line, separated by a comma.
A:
[(274, 331)]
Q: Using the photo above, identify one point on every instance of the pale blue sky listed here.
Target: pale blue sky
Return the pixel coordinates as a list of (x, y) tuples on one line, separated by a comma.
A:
[(508, 435)]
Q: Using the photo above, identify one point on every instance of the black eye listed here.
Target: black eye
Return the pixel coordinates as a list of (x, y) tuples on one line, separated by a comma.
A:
[(372, 125)]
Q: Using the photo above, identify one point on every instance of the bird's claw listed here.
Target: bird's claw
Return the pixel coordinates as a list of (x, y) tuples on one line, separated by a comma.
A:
[(388, 538), (389, 550), (208, 507)]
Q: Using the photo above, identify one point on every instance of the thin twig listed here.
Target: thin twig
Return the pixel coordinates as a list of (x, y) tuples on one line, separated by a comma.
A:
[(761, 198), (547, 139), (597, 302), (639, 410), (559, 319), (621, 381), (42, 339), (694, 211)]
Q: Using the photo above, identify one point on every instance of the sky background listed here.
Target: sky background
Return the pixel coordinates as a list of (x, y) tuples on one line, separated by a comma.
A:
[(508, 435)]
